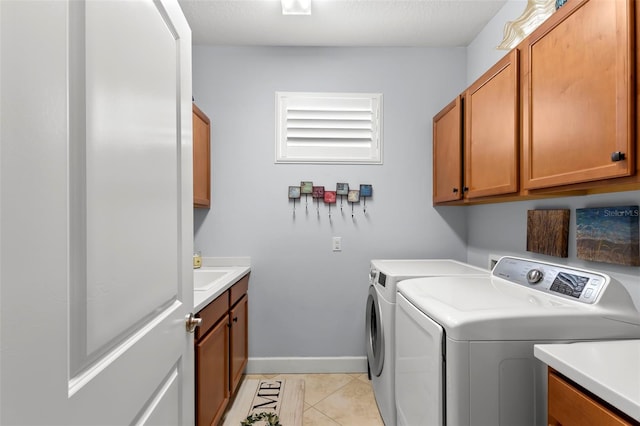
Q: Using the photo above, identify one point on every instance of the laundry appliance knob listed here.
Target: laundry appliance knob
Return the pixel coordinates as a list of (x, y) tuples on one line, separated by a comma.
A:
[(534, 276)]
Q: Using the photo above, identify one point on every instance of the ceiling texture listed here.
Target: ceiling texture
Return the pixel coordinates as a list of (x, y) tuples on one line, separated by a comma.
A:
[(333, 23)]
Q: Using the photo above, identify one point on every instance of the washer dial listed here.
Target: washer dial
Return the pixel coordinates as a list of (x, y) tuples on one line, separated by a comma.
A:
[(534, 276)]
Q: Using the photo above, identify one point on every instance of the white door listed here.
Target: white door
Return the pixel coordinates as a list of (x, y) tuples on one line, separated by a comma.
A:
[(95, 213)]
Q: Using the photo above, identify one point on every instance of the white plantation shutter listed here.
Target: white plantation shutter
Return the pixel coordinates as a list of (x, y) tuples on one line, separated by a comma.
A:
[(329, 128)]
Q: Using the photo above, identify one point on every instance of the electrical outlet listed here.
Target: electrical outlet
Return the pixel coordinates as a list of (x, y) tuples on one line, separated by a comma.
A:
[(336, 243)]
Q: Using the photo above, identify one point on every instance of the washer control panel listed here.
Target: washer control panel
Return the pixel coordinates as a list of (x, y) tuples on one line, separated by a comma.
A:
[(571, 283)]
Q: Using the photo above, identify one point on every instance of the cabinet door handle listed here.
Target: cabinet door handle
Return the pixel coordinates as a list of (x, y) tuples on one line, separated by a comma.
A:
[(617, 156), (235, 319), (455, 190), (465, 189)]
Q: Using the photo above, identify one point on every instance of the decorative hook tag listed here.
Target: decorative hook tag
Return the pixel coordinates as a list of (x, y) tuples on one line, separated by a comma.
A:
[(294, 194), (318, 192), (365, 191), (306, 188), (342, 189), (353, 197), (329, 198)]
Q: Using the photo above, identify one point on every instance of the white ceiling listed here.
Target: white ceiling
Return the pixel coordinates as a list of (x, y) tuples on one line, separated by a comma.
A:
[(428, 23)]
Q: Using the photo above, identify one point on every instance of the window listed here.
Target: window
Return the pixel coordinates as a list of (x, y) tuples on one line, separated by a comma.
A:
[(330, 128)]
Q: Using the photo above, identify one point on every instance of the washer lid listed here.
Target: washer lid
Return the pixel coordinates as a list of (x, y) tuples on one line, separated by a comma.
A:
[(491, 308), (407, 268)]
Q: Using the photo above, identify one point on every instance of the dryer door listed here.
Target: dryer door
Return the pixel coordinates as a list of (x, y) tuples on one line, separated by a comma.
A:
[(375, 333), (419, 367)]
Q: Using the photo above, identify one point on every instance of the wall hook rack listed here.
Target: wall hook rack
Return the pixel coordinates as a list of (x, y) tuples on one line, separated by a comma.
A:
[(330, 197)]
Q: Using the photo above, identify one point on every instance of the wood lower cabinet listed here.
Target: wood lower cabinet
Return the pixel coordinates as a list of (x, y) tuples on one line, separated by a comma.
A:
[(201, 159), (212, 375), (569, 405), (578, 95), (238, 342), (221, 351)]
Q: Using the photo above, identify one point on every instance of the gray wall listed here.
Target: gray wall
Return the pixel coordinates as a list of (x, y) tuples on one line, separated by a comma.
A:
[(502, 228), (305, 300), (482, 52)]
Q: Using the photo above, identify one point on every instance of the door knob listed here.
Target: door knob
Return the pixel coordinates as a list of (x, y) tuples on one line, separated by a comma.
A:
[(192, 322)]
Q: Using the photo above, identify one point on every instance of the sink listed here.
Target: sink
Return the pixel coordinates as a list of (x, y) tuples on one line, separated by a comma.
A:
[(204, 279)]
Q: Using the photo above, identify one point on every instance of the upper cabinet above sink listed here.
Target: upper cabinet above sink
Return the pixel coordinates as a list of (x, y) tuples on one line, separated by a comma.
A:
[(201, 159)]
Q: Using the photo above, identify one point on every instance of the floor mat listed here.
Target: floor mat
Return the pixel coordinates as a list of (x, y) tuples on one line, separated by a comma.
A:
[(284, 398)]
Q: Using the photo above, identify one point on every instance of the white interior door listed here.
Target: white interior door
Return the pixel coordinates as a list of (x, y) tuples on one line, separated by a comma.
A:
[(96, 213)]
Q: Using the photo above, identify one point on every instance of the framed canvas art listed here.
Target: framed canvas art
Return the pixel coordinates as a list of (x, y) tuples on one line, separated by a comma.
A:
[(609, 234)]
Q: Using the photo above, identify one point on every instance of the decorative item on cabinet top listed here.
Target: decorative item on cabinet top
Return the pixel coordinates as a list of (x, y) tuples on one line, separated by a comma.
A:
[(560, 3), (536, 12), (330, 197)]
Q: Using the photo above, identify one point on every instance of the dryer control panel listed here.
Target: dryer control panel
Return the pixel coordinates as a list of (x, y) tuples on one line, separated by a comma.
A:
[(570, 283)]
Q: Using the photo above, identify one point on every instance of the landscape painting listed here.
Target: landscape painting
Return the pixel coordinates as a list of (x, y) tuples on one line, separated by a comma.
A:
[(609, 234)]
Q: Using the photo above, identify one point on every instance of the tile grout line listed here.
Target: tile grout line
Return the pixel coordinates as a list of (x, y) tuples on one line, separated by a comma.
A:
[(331, 394), (352, 378)]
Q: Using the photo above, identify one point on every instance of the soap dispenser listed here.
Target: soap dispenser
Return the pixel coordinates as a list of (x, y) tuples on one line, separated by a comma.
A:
[(197, 260)]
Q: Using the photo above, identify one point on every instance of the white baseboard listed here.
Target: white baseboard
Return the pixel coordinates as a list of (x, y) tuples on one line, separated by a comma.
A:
[(309, 365)]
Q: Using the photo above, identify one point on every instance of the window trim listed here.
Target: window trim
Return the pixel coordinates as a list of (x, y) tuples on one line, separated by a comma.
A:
[(328, 128)]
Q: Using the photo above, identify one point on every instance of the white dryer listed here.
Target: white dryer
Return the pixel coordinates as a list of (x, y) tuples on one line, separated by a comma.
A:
[(464, 346), (384, 276)]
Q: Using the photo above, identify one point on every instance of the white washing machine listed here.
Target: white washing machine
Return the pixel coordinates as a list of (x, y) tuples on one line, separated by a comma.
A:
[(380, 318), (464, 346)]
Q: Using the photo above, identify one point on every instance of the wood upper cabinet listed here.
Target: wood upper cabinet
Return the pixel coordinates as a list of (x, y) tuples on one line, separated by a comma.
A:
[(578, 95), (476, 138), (568, 405), (491, 137), (447, 153), (201, 159)]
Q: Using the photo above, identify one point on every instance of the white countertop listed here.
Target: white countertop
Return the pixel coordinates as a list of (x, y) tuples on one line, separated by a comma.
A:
[(239, 266), (608, 369)]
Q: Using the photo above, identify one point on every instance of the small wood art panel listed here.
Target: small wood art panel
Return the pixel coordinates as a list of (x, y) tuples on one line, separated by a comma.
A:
[(609, 234), (548, 232)]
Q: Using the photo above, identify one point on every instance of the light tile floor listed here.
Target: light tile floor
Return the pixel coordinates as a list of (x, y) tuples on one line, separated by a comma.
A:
[(336, 399)]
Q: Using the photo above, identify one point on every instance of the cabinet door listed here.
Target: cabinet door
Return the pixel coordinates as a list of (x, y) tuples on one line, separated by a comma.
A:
[(201, 158), (578, 94), (447, 153), (239, 340), (569, 406), (212, 375), (491, 110)]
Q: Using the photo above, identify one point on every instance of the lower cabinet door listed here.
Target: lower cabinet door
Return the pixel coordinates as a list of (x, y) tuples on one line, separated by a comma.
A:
[(239, 340), (212, 374), (569, 406)]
